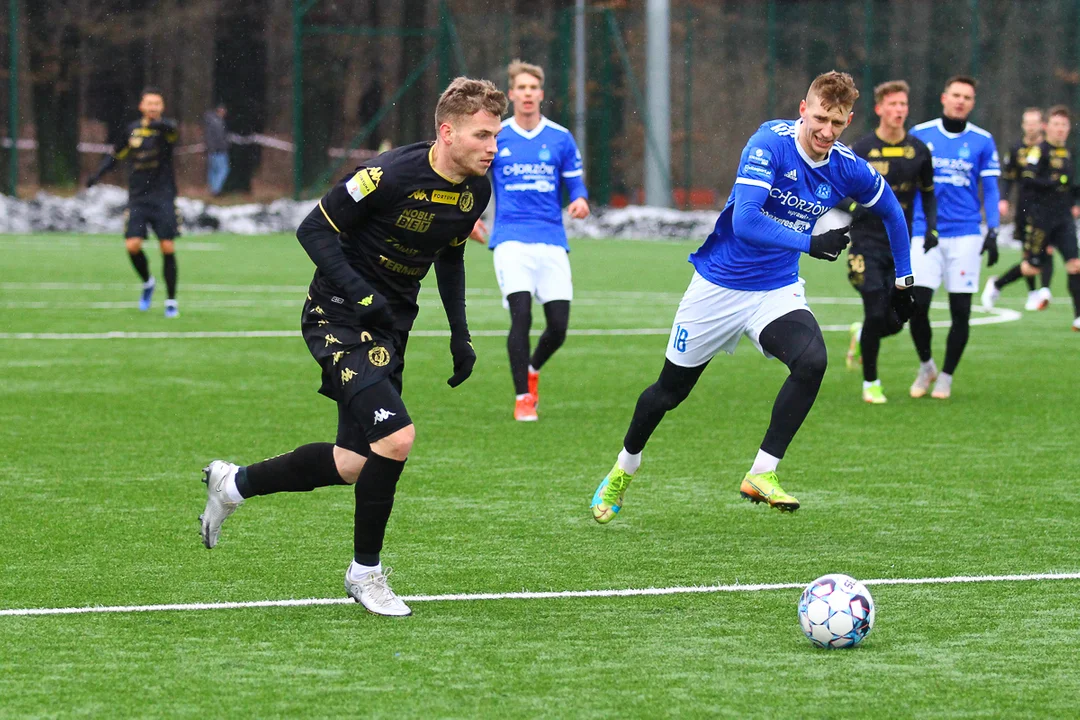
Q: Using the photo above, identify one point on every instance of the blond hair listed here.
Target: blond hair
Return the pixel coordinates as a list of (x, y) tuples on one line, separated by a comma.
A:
[(834, 89), (517, 67), (466, 96), (889, 87)]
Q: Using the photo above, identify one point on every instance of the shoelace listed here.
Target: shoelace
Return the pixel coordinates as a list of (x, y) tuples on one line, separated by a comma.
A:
[(383, 593)]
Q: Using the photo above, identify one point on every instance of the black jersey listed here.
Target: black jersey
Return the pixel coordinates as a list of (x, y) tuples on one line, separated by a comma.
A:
[(394, 216), (908, 168), (148, 145), (1047, 182), (1014, 161)]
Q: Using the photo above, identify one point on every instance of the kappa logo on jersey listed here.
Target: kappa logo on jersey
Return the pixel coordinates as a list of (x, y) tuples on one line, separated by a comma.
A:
[(505, 152), (792, 175), (364, 183), (338, 355), (382, 414), (367, 301), (331, 340), (419, 195), (347, 375)]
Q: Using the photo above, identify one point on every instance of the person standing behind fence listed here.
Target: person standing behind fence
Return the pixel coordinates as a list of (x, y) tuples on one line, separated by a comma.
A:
[(217, 148)]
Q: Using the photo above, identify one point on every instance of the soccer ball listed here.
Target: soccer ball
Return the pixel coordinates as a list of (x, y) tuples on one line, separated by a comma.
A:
[(836, 611)]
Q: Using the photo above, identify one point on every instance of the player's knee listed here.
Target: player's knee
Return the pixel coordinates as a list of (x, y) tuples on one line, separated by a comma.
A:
[(397, 445), (348, 464), (557, 333), (1072, 267), (133, 245), (812, 363), (168, 247)]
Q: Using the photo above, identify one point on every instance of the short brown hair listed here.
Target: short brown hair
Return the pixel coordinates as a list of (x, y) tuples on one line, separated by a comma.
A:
[(1033, 109), (834, 89), (1060, 110), (966, 79), (518, 66), (466, 96), (889, 87)]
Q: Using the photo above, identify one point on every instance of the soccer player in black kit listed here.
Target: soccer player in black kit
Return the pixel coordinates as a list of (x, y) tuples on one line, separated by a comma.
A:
[(1049, 180), (906, 164), (1033, 127), (372, 238), (148, 144)]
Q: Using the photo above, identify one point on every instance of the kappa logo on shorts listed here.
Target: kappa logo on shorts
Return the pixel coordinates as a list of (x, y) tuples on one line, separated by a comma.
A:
[(331, 340), (339, 301), (347, 375), (382, 414), (379, 356), (338, 355)]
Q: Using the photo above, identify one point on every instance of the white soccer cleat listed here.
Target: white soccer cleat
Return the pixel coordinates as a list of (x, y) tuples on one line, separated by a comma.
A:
[(1076, 325), (943, 387), (372, 591), (1032, 303), (990, 293), (1044, 298), (218, 506), (927, 374)]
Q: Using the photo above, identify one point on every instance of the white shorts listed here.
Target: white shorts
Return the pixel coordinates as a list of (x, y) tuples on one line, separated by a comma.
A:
[(711, 318), (955, 259), (539, 269)]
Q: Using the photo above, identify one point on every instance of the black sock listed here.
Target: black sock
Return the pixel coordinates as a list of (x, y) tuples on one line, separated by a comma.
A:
[(374, 500), (517, 342), (1012, 275), (302, 470), (557, 314), (878, 322), (960, 310), (921, 334), (138, 259), (1047, 272), (1074, 290), (870, 343), (670, 389), (170, 275)]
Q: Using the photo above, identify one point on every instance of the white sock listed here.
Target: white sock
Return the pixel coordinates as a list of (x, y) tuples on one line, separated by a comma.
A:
[(170, 303), (532, 370), (357, 570), (858, 335), (149, 283), (944, 378), (928, 365), (522, 396), (763, 463), (866, 384), (629, 463), (231, 493)]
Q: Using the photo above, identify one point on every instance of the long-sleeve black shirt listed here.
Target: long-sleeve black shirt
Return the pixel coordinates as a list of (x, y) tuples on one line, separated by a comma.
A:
[(148, 146)]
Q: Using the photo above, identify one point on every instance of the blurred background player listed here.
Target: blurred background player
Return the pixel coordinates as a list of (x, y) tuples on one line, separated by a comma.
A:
[(216, 137), (426, 198), (1048, 179), (536, 159), (148, 144), (905, 163), (1033, 127), (746, 280), (965, 157)]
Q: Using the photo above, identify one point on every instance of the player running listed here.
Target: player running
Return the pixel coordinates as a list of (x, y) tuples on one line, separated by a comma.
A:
[(1033, 127), (373, 237), (905, 163), (151, 193), (746, 280), (965, 156), (536, 159)]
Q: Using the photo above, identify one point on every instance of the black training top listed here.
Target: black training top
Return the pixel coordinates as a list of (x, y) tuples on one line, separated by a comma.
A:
[(1047, 184), (148, 145), (908, 167)]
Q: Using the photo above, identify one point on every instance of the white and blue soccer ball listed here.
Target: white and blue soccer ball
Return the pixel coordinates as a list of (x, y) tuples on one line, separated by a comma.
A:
[(836, 611)]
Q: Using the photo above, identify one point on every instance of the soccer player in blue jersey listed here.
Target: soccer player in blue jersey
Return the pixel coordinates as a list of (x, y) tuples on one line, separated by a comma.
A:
[(965, 158), (536, 160), (746, 280)]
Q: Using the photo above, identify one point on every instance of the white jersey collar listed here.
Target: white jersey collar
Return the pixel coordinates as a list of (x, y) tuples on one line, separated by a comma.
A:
[(802, 152), (527, 134)]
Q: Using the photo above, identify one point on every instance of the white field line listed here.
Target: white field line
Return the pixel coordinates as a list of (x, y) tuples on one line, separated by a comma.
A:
[(993, 316), (476, 597)]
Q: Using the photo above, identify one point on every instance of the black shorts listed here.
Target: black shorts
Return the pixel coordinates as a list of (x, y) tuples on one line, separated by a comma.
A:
[(1041, 234), (160, 215), (361, 370), (871, 270)]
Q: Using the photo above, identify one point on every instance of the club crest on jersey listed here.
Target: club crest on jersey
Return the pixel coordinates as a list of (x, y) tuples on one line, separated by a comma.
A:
[(465, 203), (378, 356), (823, 191), (964, 152), (544, 155)]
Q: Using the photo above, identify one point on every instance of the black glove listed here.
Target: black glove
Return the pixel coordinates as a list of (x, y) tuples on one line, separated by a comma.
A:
[(903, 304), (374, 312), (930, 241), (990, 247), (91, 181), (829, 245), (464, 358)]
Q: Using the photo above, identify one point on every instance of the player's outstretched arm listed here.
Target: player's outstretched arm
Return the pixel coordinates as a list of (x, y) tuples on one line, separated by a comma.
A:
[(450, 272), (119, 152), (320, 241)]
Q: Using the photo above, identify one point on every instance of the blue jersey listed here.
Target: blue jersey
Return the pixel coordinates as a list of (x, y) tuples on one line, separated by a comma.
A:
[(960, 162), (528, 174), (799, 191)]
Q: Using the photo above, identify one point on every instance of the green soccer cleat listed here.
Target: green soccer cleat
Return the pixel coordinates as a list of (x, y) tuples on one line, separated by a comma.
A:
[(874, 394), (608, 498), (765, 488), (854, 351)]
